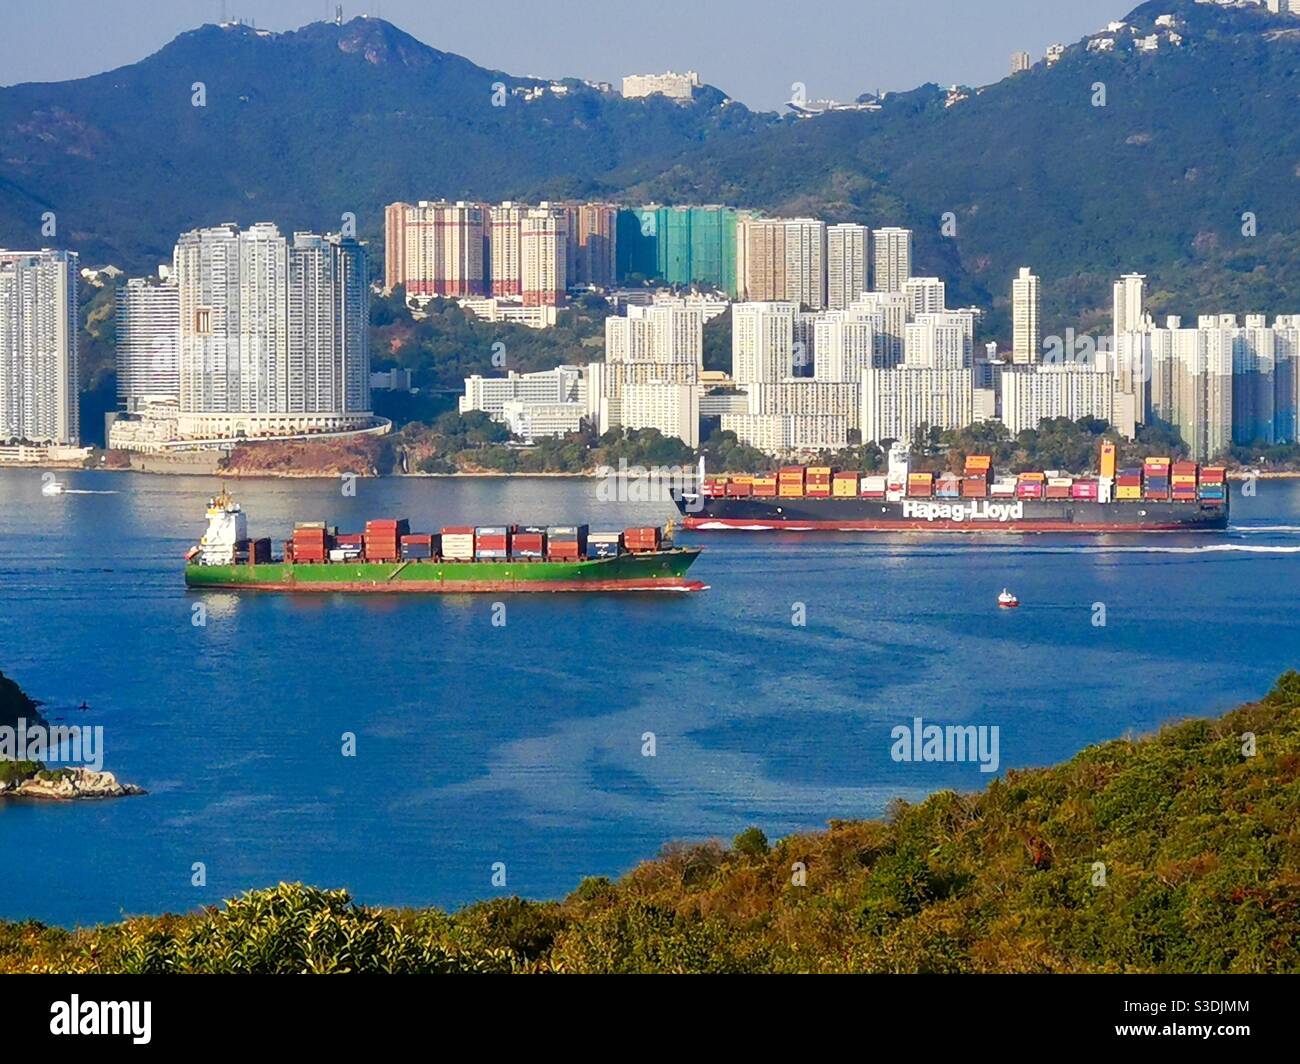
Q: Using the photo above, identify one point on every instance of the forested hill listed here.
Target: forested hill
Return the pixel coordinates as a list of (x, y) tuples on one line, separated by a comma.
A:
[(300, 127)]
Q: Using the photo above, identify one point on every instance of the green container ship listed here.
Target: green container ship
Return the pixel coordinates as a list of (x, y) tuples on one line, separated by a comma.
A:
[(387, 561)]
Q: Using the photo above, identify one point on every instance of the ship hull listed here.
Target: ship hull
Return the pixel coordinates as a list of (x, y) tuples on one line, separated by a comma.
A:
[(657, 571), (1010, 516)]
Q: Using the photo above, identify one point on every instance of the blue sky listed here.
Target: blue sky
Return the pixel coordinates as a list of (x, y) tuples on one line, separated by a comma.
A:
[(753, 49)]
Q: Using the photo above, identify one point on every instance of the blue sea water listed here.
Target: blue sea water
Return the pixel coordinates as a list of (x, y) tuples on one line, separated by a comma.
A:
[(523, 744)]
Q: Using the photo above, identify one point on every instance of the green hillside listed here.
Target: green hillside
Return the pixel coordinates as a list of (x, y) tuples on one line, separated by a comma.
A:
[(1177, 852)]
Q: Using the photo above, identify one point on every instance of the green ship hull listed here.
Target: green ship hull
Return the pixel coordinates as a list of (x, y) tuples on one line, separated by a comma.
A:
[(655, 571)]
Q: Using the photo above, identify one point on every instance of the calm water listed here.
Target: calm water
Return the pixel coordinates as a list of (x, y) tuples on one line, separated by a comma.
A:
[(522, 744)]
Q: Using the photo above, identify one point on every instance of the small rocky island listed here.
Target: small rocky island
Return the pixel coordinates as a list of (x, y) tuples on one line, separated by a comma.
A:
[(31, 779)]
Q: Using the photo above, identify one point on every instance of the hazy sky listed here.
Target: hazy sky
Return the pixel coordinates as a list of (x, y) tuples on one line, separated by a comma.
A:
[(752, 49)]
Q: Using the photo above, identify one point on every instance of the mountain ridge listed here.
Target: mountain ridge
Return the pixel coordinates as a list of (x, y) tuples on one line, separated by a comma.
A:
[(304, 125)]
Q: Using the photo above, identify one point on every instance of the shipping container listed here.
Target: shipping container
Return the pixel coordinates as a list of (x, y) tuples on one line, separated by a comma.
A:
[(1109, 456), (457, 544), (974, 488), (1128, 492)]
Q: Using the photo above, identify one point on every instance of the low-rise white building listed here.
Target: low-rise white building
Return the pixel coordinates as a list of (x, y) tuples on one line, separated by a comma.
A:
[(533, 421)]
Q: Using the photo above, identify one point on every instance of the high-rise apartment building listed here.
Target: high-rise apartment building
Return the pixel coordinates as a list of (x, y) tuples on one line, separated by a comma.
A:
[(148, 325), (592, 257), (891, 259), (543, 252), (805, 263), (1026, 315), (760, 259), (273, 336), (848, 261), (925, 295), (664, 332), (762, 342), (443, 248), (1129, 303), (39, 368), (505, 232), (1033, 393)]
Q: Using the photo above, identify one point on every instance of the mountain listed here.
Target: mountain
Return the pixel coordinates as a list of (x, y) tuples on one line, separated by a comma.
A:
[(300, 127)]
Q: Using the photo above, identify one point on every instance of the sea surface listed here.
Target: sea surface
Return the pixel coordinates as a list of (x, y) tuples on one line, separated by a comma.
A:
[(525, 744)]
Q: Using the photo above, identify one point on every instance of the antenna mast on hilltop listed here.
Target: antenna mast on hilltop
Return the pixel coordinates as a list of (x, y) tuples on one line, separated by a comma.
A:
[(338, 15)]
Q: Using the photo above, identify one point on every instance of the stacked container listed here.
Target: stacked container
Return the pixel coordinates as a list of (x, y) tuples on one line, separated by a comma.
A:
[(765, 487), (604, 544), (418, 548), (874, 487), (1086, 490), (1128, 484), (845, 485), (715, 487), (974, 487), (1059, 487), (947, 486), (1184, 481), (1214, 486), (920, 485), (790, 482), (1003, 488), (528, 542), (1030, 485), (567, 542), (458, 544), (492, 542), (310, 542), (640, 540), (383, 539), (740, 487), (1156, 478), (817, 484)]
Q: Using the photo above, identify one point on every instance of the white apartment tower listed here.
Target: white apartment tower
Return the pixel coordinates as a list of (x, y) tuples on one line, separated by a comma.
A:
[(273, 337), (1026, 311), (925, 295), (891, 259), (39, 386), (762, 342), (148, 342), (848, 251), (805, 263)]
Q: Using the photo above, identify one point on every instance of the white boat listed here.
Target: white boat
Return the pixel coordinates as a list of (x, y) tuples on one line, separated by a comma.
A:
[(52, 487), (1007, 601)]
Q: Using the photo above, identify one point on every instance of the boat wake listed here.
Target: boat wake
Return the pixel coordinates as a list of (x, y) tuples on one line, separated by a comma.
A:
[(1265, 530), (86, 491)]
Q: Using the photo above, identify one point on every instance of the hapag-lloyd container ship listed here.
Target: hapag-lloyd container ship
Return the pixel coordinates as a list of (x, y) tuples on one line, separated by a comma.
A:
[(1161, 496), (388, 557)]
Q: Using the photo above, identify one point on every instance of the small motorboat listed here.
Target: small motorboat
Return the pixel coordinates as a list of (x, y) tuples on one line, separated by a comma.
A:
[(1007, 601), (52, 487)]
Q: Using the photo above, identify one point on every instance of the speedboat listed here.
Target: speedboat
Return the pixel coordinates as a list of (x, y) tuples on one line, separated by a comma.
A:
[(52, 487), (1007, 601)]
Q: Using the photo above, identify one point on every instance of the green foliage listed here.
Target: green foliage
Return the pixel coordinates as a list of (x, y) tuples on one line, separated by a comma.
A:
[(1172, 853), (751, 842)]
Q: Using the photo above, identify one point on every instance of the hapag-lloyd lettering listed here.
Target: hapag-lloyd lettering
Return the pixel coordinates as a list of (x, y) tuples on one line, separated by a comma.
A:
[(976, 510)]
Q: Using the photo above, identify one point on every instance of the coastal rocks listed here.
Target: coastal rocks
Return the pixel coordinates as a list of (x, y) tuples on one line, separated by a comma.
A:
[(70, 784)]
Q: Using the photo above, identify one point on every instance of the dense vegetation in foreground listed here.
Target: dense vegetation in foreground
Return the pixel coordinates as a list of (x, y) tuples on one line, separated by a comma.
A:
[(1178, 852)]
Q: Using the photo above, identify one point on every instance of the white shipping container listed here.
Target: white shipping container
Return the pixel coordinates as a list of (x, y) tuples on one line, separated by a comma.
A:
[(604, 537), (458, 546), (1060, 482), (873, 483)]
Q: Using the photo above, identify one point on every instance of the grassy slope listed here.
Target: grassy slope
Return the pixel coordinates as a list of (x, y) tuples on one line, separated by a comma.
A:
[(1201, 847)]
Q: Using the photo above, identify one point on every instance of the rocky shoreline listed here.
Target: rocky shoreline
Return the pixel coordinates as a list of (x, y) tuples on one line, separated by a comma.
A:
[(69, 784)]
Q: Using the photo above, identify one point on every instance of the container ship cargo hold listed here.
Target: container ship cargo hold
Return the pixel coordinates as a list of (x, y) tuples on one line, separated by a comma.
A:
[(388, 557), (1161, 496)]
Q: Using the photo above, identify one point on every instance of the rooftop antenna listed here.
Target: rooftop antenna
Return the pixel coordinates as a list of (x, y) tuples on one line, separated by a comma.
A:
[(338, 15)]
